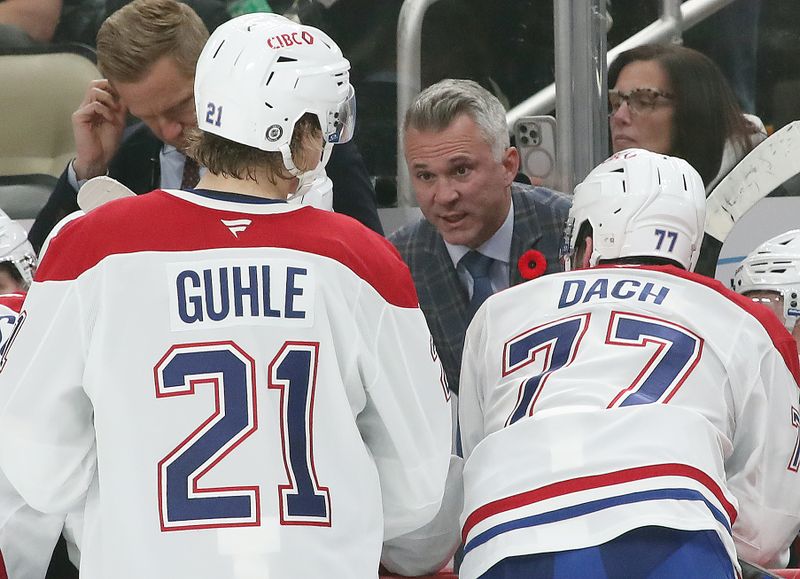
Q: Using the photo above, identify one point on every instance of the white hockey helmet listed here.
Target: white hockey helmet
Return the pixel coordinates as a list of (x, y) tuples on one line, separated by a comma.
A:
[(15, 248), (259, 73), (639, 204), (774, 266)]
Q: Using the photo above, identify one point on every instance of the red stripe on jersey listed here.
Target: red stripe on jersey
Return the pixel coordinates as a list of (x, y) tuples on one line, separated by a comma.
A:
[(594, 482), (12, 301), (158, 221), (781, 338)]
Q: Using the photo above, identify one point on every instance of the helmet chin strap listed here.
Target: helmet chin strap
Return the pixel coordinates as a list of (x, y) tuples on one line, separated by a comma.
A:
[(288, 162), (306, 178)]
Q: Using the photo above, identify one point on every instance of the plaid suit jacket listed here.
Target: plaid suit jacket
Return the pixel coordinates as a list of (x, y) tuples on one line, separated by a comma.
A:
[(539, 217)]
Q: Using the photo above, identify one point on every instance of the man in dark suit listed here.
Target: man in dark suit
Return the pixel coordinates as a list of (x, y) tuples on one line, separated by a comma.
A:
[(478, 222), (148, 51)]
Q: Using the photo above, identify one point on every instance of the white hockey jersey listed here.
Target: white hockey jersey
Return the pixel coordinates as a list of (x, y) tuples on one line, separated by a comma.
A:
[(236, 387), (599, 401), (10, 307), (27, 537)]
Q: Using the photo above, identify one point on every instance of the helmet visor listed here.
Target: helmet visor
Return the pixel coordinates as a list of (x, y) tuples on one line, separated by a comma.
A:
[(342, 121)]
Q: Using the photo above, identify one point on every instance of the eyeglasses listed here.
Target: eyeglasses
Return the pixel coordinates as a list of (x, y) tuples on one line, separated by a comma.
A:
[(640, 100)]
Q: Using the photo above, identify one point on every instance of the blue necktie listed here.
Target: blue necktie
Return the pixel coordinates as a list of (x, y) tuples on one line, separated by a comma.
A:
[(478, 266)]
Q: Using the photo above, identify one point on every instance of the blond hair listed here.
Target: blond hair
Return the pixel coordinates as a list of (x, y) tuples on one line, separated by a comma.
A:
[(228, 158), (142, 32)]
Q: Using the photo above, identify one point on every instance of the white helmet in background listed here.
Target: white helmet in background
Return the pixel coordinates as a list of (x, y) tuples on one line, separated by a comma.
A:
[(640, 204), (16, 250), (774, 266), (259, 73)]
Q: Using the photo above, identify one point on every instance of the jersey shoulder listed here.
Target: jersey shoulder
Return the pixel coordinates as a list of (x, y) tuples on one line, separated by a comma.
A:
[(12, 302), (698, 289), (162, 221)]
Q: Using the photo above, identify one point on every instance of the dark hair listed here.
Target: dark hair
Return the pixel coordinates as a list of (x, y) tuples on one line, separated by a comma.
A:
[(642, 260), (706, 112), (12, 270)]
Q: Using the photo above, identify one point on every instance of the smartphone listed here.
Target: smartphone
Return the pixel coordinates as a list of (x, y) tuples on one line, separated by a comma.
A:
[(535, 137)]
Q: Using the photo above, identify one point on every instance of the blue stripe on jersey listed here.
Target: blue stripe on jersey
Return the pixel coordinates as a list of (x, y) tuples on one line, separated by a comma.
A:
[(592, 507), (726, 260), (235, 197)]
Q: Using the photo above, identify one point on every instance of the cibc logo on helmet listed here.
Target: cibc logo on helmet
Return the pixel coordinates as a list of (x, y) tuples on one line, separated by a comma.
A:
[(290, 39), (625, 154)]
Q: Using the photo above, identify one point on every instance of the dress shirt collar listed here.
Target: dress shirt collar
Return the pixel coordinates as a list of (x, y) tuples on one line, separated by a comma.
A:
[(498, 246)]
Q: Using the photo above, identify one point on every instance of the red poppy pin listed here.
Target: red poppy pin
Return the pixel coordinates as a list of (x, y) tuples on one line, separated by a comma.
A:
[(532, 264)]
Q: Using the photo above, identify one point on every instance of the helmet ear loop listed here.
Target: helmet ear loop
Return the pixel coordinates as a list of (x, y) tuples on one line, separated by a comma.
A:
[(306, 177), (288, 162), (327, 149)]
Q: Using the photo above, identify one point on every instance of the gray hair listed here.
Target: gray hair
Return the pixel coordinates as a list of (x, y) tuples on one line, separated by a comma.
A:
[(437, 107)]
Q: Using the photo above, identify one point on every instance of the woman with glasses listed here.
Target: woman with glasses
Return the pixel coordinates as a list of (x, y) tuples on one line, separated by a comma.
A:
[(674, 100)]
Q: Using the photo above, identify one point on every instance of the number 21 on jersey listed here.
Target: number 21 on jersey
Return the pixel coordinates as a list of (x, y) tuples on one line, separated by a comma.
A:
[(231, 372)]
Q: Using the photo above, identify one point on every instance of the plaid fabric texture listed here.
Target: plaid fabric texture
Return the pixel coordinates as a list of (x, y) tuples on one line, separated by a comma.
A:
[(539, 217)]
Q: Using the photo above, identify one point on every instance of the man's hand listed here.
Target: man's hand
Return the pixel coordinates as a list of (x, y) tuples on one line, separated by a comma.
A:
[(97, 125)]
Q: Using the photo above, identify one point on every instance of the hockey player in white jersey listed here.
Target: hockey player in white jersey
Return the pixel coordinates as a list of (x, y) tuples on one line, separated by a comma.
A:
[(770, 275), (632, 419), (17, 258), (236, 386), (27, 537)]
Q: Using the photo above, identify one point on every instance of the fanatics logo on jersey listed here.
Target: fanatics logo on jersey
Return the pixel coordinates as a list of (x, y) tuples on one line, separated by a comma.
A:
[(236, 226)]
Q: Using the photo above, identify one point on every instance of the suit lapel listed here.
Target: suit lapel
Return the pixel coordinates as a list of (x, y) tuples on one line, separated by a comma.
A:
[(446, 289), (525, 236), (444, 301), (137, 163)]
